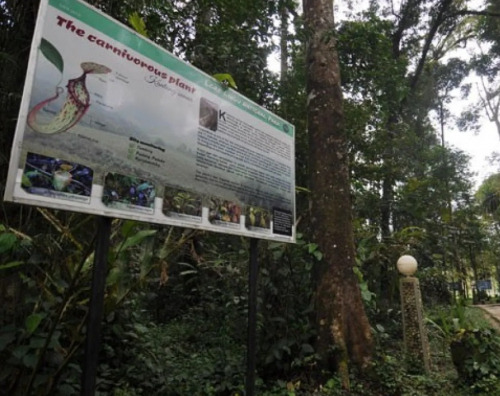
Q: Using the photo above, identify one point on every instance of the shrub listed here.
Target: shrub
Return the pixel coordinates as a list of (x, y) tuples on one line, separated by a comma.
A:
[(476, 356)]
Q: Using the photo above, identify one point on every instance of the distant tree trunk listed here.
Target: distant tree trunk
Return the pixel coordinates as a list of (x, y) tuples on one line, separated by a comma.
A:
[(283, 12), (202, 25), (341, 318), (386, 206), (386, 202), (473, 263), (284, 42)]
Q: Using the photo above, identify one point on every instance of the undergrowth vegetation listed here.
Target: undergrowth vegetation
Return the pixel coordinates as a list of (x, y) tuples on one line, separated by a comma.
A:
[(180, 328)]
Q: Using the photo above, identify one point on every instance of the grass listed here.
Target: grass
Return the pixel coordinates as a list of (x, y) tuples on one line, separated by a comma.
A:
[(480, 318)]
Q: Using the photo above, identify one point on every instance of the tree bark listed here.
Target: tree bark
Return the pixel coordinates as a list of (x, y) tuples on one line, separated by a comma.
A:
[(491, 102), (283, 43), (283, 12), (340, 314)]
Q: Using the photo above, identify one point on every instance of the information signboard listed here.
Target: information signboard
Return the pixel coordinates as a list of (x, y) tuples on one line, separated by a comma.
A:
[(112, 124), (483, 285), (455, 286)]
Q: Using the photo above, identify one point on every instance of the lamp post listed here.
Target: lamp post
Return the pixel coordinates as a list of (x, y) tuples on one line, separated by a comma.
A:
[(407, 265), (415, 335)]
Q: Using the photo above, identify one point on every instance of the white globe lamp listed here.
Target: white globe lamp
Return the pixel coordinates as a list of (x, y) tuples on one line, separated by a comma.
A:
[(407, 265)]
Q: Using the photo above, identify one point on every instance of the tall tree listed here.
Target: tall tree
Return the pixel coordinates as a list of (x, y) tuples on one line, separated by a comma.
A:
[(341, 319), (420, 34)]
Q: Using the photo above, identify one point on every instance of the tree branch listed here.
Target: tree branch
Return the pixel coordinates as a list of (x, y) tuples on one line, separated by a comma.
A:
[(393, 11), (485, 103), (441, 50), (440, 18), (405, 21), (489, 103), (474, 12)]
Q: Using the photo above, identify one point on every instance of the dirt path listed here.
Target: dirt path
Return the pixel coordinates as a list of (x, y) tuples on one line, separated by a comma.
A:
[(493, 314)]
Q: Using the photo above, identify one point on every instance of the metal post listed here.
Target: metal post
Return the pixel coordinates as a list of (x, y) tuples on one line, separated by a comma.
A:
[(96, 306), (252, 318)]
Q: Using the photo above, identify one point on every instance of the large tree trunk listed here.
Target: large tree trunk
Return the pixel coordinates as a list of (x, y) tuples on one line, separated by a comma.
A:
[(341, 318)]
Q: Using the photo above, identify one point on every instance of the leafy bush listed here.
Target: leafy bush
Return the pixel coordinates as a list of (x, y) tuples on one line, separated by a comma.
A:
[(476, 356), (474, 346)]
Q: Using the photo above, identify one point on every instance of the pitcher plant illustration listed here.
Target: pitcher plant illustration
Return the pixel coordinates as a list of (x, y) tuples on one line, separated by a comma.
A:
[(77, 100)]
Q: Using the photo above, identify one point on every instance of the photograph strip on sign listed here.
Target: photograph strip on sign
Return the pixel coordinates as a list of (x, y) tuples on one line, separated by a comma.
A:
[(123, 128)]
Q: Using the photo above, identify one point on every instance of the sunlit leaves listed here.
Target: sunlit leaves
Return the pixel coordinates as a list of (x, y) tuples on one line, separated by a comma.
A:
[(138, 23), (226, 79), (33, 321)]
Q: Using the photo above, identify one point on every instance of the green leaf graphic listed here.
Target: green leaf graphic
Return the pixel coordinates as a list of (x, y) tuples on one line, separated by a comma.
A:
[(226, 78), (52, 54)]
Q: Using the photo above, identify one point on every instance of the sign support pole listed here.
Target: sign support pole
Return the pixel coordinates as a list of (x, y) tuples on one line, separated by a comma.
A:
[(252, 317), (96, 306)]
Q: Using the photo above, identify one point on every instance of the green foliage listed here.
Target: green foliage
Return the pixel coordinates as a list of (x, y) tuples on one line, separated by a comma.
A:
[(7, 241), (488, 195), (478, 317), (40, 349), (369, 66), (182, 357), (474, 346), (449, 320), (287, 307), (226, 79), (9, 245), (476, 355), (138, 24)]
